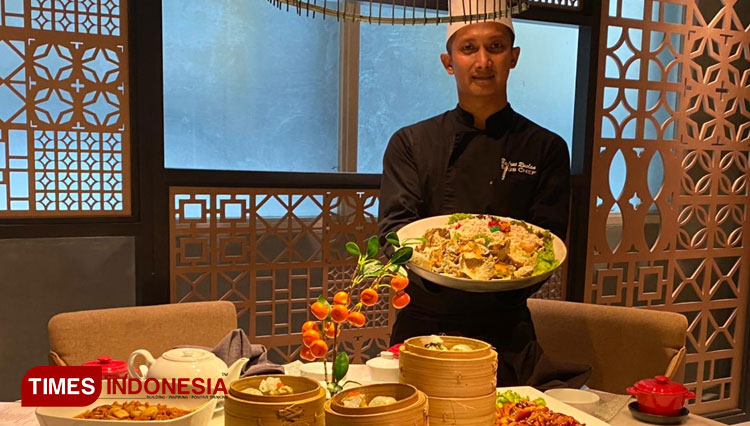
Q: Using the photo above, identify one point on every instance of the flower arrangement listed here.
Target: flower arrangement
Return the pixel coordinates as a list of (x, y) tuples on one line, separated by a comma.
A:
[(371, 276)]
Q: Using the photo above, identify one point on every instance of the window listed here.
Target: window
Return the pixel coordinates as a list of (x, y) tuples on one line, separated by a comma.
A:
[(239, 93), (248, 87)]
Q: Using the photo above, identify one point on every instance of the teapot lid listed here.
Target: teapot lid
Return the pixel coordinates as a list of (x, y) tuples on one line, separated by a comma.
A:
[(108, 365), (385, 361), (187, 355), (660, 385)]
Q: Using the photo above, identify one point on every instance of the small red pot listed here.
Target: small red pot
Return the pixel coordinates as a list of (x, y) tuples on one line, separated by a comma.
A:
[(660, 396), (111, 368)]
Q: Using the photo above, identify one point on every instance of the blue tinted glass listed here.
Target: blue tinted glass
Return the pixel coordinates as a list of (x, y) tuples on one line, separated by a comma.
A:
[(542, 86), (402, 81), (249, 87)]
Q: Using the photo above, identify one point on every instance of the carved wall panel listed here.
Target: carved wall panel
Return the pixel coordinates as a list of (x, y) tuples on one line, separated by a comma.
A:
[(64, 109), (670, 198), (272, 252)]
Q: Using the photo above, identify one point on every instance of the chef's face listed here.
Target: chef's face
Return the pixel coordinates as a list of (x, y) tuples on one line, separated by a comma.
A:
[(480, 58)]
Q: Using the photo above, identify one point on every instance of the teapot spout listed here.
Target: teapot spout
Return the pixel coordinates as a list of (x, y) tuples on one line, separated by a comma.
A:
[(235, 369)]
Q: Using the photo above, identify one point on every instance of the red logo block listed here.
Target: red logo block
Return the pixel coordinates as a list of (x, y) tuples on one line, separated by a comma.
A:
[(61, 386)]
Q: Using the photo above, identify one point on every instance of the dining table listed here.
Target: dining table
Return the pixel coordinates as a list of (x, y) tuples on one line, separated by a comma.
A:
[(13, 414)]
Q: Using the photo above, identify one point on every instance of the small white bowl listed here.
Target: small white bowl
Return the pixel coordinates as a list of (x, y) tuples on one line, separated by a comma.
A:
[(580, 399), (314, 370), (384, 368)]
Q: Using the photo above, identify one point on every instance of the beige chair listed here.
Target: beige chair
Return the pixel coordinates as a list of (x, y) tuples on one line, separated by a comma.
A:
[(77, 337), (622, 345)]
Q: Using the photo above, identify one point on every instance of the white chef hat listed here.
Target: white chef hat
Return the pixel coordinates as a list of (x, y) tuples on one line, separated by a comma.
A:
[(477, 7)]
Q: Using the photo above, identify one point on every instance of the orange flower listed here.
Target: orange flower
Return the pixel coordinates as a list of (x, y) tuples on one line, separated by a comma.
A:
[(306, 354), (310, 325), (319, 348), (400, 300), (368, 297), (339, 313), (357, 319), (399, 282), (309, 337), (341, 298), (329, 330), (320, 310)]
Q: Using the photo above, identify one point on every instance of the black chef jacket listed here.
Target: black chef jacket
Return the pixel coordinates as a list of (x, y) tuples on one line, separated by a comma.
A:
[(445, 165)]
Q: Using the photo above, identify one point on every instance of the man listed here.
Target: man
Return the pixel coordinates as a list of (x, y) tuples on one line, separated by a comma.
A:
[(481, 157)]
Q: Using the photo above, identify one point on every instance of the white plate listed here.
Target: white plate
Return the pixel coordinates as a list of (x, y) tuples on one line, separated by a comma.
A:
[(63, 416), (556, 406), (417, 230)]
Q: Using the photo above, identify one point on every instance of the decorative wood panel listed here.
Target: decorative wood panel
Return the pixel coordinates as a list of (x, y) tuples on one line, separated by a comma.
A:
[(64, 109), (668, 229), (272, 252)]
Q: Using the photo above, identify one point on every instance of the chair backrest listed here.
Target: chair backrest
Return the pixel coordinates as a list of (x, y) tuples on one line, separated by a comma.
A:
[(77, 337), (622, 345)]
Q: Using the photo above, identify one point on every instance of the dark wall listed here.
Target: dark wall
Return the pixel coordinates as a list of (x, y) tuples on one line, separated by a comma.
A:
[(44, 276)]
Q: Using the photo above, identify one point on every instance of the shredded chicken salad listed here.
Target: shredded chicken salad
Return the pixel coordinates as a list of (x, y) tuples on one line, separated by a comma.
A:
[(484, 247)]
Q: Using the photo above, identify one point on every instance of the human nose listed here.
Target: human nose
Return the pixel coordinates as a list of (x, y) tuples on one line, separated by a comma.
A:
[(484, 59)]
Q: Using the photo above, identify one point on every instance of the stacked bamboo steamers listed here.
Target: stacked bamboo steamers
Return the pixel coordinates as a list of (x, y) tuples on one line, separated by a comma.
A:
[(460, 386), (303, 407)]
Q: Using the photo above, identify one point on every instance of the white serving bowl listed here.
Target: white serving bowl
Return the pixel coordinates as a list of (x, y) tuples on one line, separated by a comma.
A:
[(314, 370), (580, 399), (63, 416), (384, 368)]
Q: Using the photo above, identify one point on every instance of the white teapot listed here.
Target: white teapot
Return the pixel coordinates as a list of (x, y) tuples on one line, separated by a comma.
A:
[(187, 363)]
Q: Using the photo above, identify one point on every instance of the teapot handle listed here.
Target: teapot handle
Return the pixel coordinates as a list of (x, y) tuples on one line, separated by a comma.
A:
[(134, 372)]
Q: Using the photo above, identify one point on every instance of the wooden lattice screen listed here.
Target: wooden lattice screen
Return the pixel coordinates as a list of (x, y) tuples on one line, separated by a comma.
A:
[(272, 252), (668, 229), (64, 114)]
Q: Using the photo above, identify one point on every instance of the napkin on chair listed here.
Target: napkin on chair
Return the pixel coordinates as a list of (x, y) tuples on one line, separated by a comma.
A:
[(236, 345)]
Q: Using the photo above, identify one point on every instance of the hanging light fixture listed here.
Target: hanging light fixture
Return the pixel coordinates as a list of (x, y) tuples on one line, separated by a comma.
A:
[(405, 12)]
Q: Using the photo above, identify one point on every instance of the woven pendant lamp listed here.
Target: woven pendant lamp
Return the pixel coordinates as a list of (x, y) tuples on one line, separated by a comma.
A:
[(405, 12)]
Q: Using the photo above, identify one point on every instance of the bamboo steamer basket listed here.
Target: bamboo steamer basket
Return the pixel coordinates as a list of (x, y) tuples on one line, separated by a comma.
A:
[(449, 377), (481, 348), (304, 407), (410, 409), (479, 411)]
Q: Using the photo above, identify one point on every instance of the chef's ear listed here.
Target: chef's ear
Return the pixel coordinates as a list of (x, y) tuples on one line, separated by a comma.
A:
[(447, 61), (515, 53)]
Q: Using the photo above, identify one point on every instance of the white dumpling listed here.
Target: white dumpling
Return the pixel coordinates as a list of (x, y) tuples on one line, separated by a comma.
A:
[(461, 348), (382, 400)]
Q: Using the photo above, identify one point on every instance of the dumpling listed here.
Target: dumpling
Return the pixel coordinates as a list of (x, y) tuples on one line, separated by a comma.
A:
[(382, 400), (462, 348)]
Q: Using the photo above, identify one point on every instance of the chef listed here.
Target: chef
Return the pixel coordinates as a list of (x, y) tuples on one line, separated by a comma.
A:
[(480, 157)]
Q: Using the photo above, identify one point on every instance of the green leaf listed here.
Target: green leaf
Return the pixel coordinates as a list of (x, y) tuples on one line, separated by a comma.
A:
[(372, 269), (353, 249), (340, 366), (402, 271), (402, 255), (323, 300), (392, 238), (373, 246)]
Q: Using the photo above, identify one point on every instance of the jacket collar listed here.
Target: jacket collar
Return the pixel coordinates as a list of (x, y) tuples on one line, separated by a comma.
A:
[(496, 124)]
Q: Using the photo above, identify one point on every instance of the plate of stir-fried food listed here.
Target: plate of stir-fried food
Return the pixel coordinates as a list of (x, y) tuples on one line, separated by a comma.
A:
[(526, 406), (482, 253)]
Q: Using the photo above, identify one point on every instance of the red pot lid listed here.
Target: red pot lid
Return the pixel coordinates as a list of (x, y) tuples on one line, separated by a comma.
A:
[(108, 365), (661, 385)]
